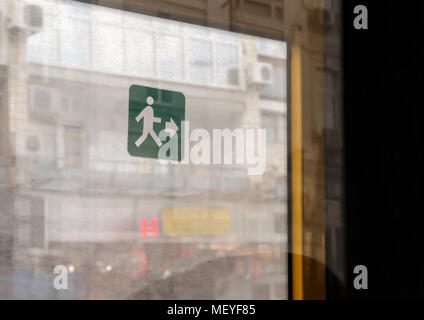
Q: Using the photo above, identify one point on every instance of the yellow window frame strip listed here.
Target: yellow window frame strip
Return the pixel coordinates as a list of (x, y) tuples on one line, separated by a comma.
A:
[(297, 170)]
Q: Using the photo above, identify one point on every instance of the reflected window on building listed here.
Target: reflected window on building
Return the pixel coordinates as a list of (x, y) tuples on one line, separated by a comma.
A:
[(72, 32), (139, 54), (74, 8), (200, 61), (269, 122), (104, 43), (197, 31), (170, 57), (37, 223), (167, 26), (226, 36), (111, 156), (73, 139), (227, 64), (137, 21), (107, 16)]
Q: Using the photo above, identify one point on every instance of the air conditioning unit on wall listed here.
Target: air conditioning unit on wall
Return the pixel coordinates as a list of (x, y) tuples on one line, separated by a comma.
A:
[(29, 144), (25, 18), (262, 74)]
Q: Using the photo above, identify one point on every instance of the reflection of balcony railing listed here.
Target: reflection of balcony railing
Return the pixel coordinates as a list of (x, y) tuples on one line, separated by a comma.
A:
[(181, 182), (170, 51)]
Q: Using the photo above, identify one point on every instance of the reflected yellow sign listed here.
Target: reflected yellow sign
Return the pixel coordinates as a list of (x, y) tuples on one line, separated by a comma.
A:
[(195, 222)]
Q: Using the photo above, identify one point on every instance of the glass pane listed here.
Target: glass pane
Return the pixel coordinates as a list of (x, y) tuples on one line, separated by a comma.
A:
[(211, 226)]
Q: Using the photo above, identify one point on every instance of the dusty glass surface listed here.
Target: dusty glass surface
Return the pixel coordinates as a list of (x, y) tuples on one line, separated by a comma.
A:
[(127, 227)]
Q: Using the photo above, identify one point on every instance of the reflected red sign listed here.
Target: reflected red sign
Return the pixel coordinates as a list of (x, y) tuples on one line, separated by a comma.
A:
[(149, 227)]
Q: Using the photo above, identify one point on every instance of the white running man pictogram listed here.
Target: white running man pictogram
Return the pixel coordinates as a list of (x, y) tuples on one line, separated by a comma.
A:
[(149, 119)]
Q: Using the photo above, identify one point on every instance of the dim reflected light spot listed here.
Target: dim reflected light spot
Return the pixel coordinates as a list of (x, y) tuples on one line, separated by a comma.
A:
[(166, 274)]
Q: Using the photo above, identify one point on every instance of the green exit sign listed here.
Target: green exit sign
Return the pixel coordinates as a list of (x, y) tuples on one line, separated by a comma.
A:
[(155, 119)]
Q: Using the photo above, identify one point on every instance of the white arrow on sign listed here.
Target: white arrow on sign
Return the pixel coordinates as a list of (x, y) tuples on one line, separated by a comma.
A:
[(171, 127)]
